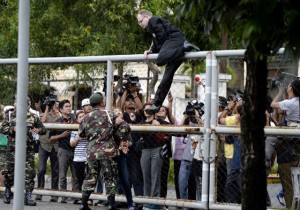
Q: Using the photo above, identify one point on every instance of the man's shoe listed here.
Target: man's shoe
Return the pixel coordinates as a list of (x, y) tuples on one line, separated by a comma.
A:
[(7, 195), (38, 197), (188, 47), (28, 201), (54, 199), (84, 207)]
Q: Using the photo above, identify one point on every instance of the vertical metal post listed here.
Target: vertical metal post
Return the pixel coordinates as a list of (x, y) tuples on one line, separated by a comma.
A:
[(205, 168), (22, 91), (109, 85), (213, 123)]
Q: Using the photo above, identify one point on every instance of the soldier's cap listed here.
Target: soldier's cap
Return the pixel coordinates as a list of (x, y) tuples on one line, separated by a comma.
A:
[(96, 98), (129, 96), (85, 102)]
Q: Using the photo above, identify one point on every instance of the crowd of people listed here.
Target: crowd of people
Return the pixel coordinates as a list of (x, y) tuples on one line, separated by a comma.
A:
[(125, 160), (105, 150), (282, 111)]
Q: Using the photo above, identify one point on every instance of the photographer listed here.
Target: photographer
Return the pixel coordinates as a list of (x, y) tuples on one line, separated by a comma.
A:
[(190, 171), (132, 111), (288, 149), (151, 162), (228, 117), (47, 150), (166, 153)]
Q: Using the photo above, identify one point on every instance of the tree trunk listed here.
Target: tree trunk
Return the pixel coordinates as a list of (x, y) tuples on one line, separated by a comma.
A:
[(223, 61), (253, 174)]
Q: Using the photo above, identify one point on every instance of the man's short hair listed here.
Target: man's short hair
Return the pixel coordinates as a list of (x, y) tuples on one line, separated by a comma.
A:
[(62, 103), (145, 12)]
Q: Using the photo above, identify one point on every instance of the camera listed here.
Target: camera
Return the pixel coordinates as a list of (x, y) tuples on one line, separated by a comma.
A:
[(192, 106), (223, 102), (237, 96), (131, 82), (48, 99), (152, 110), (284, 78)]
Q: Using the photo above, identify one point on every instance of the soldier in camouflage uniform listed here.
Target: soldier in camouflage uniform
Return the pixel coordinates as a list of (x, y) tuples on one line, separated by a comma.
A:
[(3, 146), (98, 127), (8, 127)]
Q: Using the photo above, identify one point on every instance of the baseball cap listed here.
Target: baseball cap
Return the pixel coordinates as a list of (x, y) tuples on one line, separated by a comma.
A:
[(8, 108), (85, 102), (129, 96)]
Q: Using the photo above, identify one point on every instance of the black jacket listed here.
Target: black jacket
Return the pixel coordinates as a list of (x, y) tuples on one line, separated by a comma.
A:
[(161, 31)]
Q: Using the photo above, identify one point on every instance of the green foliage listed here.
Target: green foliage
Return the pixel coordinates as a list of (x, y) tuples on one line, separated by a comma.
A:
[(68, 28), (267, 25)]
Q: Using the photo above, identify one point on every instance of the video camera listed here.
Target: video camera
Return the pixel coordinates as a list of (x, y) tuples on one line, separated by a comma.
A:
[(192, 106), (48, 99), (131, 82), (284, 78)]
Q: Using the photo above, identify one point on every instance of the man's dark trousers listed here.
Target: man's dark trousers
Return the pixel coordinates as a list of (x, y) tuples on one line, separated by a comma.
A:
[(42, 167), (171, 54)]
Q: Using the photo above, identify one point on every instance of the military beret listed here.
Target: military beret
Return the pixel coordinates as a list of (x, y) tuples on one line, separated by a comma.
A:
[(96, 98)]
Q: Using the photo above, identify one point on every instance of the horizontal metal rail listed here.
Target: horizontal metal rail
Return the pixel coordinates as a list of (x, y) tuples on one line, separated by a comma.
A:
[(136, 57), (269, 131), (98, 59)]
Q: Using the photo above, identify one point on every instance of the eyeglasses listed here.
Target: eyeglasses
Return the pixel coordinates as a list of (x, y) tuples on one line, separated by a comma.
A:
[(140, 21)]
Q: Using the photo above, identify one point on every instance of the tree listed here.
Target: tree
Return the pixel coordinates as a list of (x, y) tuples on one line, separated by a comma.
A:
[(69, 28), (8, 49), (264, 27)]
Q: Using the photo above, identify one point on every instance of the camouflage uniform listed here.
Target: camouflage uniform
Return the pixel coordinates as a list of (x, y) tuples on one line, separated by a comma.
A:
[(7, 128), (101, 152)]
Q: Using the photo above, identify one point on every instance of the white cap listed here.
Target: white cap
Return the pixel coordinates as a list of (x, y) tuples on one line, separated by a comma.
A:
[(85, 102), (6, 108)]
